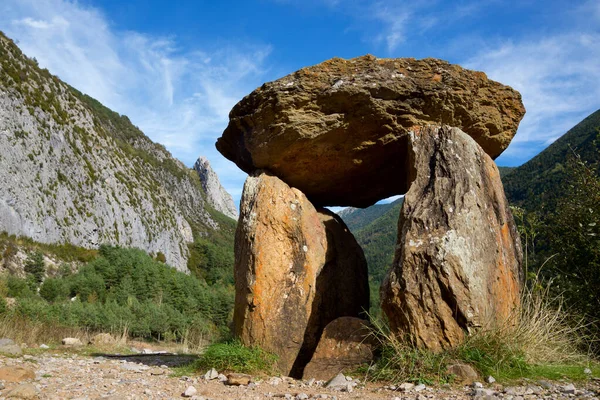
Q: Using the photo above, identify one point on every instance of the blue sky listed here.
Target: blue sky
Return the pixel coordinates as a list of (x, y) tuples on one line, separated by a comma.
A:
[(177, 67)]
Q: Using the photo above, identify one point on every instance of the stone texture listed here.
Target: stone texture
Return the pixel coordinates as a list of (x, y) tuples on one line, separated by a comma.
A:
[(8, 346), (11, 349), (236, 379), (23, 391), (216, 195), (458, 260), (72, 342), (16, 374), (345, 344), (463, 373), (338, 131), (294, 270)]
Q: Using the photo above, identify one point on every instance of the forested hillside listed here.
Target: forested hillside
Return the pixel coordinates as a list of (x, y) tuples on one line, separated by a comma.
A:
[(375, 229), (540, 182), (557, 207)]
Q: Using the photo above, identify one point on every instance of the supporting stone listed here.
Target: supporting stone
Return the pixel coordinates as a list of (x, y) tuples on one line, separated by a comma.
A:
[(296, 270), (458, 260)]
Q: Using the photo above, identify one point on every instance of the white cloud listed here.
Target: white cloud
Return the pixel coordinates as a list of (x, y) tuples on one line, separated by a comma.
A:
[(559, 80), (180, 98), (394, 20)]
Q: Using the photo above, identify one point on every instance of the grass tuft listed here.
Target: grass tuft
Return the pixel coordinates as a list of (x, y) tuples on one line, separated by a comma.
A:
[(235, 357)]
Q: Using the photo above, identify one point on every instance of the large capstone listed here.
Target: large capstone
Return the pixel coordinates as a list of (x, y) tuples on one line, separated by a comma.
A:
[(338, 131), (296, 269), (458, 259)]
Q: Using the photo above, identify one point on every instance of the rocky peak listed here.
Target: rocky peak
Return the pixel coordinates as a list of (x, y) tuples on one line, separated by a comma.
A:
[(216, 195)]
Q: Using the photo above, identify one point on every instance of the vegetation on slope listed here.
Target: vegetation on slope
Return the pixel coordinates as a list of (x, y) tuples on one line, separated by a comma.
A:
[(143, 171), (122, 289), (375, 229), (537, 184), (557, 195)]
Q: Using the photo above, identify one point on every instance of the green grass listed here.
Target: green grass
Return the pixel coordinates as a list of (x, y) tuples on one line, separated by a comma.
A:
[(235, 357)]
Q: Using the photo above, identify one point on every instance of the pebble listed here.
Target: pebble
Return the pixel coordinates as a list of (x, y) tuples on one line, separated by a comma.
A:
[(406, 386), (211, 374), (339, 382), (490, 379), (420, 387), (190, 391), (568, 389)]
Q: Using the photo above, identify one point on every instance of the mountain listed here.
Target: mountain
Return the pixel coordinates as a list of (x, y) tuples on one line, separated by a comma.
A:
[(541, 181), (73, 171), (375, 229), (217, 196)]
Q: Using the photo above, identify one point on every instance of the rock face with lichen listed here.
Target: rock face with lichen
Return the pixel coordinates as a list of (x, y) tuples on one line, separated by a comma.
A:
[(338, 131), (458, 259), (296, 269)]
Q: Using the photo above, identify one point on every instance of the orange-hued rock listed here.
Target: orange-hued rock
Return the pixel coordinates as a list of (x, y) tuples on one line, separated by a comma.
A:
[(16, 374), (338, 131), (458, 259), (346, 343), (296, 269)]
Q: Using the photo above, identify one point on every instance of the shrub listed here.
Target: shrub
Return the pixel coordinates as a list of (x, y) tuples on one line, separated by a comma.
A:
[(34, 265), (53, 289)]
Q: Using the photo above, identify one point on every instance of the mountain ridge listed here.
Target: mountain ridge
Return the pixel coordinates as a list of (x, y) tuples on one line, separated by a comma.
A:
[(74, 171)]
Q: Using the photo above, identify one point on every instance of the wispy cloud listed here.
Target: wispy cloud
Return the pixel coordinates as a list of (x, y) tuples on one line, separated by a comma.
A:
[(558, 78), (180, 98)]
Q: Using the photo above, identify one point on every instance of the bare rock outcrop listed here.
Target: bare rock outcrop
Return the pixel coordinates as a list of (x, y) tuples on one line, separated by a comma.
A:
[(291, 272), (216, 195), (458, 259), (351, 118)]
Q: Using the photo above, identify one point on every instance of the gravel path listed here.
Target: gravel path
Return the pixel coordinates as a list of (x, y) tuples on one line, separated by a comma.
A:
[(74, 376)]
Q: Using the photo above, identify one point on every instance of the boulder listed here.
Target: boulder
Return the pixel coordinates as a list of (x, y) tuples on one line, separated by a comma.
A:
[(339, 131), (463, 373), (345, 344), (72, 342), (458, 260), (236, 379), (16, 374), (9, 347), (23, 391), (296, 269)]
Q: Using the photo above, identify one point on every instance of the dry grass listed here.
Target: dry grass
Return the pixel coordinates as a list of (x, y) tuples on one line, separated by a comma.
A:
[(538, 337), (24, 330), (544, 330)]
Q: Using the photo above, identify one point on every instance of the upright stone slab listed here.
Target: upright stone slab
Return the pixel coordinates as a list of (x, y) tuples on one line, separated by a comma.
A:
[(458, 260), (296, 269)]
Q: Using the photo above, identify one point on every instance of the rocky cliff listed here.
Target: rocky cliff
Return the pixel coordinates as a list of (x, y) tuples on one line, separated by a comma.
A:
[(216, 195), (73, 171)]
